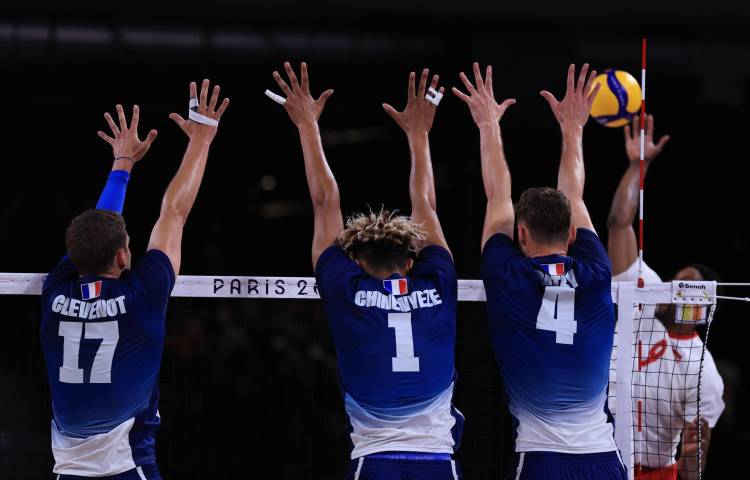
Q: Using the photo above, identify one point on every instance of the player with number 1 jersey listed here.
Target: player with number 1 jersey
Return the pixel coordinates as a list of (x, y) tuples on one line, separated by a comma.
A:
[(103, 323), (548, 300), (389, 289)]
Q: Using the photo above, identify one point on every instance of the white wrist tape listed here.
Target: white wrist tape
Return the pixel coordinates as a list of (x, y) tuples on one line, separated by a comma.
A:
[(276, 98), (197, 117), (433, 96)]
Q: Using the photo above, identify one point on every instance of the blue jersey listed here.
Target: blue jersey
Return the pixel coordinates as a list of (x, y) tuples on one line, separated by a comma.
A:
[(395, 343), (551, 325), (102, 340)]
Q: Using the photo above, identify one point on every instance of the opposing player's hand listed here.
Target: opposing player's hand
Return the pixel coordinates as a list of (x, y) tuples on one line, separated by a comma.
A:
[(574, 109), (302, 108), (207, 108), (126, 144), (690, 438), (633, 141), (481, 98), (419, 113)]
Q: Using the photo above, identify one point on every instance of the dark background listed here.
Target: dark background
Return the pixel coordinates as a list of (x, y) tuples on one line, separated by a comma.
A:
[(63, 64)]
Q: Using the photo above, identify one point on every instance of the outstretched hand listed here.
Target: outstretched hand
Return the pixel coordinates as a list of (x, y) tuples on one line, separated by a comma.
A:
[(574, 109), (633, 141), (419, 113), (481, 98), (199, 131), (302, 108), (126, 143)]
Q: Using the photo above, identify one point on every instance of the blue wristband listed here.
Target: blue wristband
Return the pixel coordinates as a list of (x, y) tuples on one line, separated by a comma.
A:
[(113, 195)]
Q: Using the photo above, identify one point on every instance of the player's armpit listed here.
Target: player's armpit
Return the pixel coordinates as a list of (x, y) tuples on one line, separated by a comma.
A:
[(499, 218), (166, 236), (328, 225), (427, 217)]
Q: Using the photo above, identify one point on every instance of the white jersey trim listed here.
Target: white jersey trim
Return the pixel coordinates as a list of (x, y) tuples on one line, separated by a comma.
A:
[(428, 430), (95, 456)]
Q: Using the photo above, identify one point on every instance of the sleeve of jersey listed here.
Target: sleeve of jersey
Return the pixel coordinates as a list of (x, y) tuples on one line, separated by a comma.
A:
[(498, 251), (712, 391), (334, 268), (589, 248), (435, 260), (155, 277), (62, 271)]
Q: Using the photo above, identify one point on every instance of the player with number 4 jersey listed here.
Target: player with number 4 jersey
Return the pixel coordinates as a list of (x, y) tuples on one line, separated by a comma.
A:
[(390, 290), (548, 300), (103, 323)]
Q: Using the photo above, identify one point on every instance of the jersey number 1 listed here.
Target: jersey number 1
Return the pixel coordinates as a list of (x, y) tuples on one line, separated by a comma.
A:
[(404, 361), (101, 369), (557, 313)]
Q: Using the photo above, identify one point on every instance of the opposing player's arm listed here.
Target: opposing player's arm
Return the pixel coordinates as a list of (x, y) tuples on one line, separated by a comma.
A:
[(183, 189), (304, 111), (486, 112), (127, 149), (416, 121), (571, 113), (623, 244), (687, 465)]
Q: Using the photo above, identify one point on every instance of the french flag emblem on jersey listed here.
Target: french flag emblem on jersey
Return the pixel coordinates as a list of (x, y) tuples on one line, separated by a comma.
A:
[(396, 287), (556, 269), (91, 290)]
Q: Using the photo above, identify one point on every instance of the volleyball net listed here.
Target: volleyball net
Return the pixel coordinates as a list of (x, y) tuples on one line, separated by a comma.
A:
[(252, 385)]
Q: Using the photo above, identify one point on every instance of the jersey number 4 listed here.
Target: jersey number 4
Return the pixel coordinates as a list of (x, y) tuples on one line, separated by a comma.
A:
[(404, 361), (556, 314), (101, 369)]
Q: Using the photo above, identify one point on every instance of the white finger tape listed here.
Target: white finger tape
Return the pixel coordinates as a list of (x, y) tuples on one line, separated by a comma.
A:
[(276, 98), (433, 96), (197, 117)]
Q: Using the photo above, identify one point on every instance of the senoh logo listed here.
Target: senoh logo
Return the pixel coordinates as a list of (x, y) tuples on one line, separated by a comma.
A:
[(690, 285)]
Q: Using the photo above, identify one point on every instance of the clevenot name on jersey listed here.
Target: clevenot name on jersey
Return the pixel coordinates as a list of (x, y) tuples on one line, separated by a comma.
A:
[(101, 308), (402, 303)]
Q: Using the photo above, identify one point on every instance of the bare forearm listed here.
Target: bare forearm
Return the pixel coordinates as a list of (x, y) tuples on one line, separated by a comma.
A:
[(626, 199), (320, 179), (572, 174), (421, 178), (183, 189), (495, 172)]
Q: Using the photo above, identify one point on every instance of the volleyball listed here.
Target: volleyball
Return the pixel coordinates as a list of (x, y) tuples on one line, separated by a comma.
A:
[(619, 98)]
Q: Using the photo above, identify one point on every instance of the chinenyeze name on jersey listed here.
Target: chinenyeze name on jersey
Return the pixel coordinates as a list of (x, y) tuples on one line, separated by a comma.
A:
[(72, 307), (402, 303)]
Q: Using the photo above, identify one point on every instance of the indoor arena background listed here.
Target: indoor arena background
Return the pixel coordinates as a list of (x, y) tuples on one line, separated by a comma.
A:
[(250, 385)]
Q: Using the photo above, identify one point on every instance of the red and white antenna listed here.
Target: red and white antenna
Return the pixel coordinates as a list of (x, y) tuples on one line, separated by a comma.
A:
[(641, 283)]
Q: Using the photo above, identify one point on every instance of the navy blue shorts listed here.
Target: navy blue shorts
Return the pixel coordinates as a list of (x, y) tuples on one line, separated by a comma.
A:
[(567, 466), (144, 472), (404, 465)]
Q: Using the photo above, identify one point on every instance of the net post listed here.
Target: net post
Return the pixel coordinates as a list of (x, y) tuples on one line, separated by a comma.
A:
[(624, 374)]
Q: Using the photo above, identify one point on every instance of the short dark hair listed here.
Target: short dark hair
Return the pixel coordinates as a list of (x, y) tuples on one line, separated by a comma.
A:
[(546, 213), (93, 238)]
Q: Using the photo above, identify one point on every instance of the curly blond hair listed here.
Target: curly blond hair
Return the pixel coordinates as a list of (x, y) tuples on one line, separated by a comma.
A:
[(383, 239)]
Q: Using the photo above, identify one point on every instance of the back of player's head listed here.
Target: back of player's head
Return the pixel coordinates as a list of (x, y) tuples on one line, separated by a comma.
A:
[(384, 240), (93, 239), (546, 213)]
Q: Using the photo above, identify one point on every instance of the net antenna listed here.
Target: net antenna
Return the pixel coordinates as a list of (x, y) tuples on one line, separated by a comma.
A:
[(641, 282)]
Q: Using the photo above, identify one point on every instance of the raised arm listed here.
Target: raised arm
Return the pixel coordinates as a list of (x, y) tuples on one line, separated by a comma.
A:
[(305, 111), (183, 189), (486, 112), (572, 112), (623, 244), (127, 149), (416, 121)]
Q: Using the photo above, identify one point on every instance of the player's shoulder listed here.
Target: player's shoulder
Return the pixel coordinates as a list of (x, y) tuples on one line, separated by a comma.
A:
[(500, 252)]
